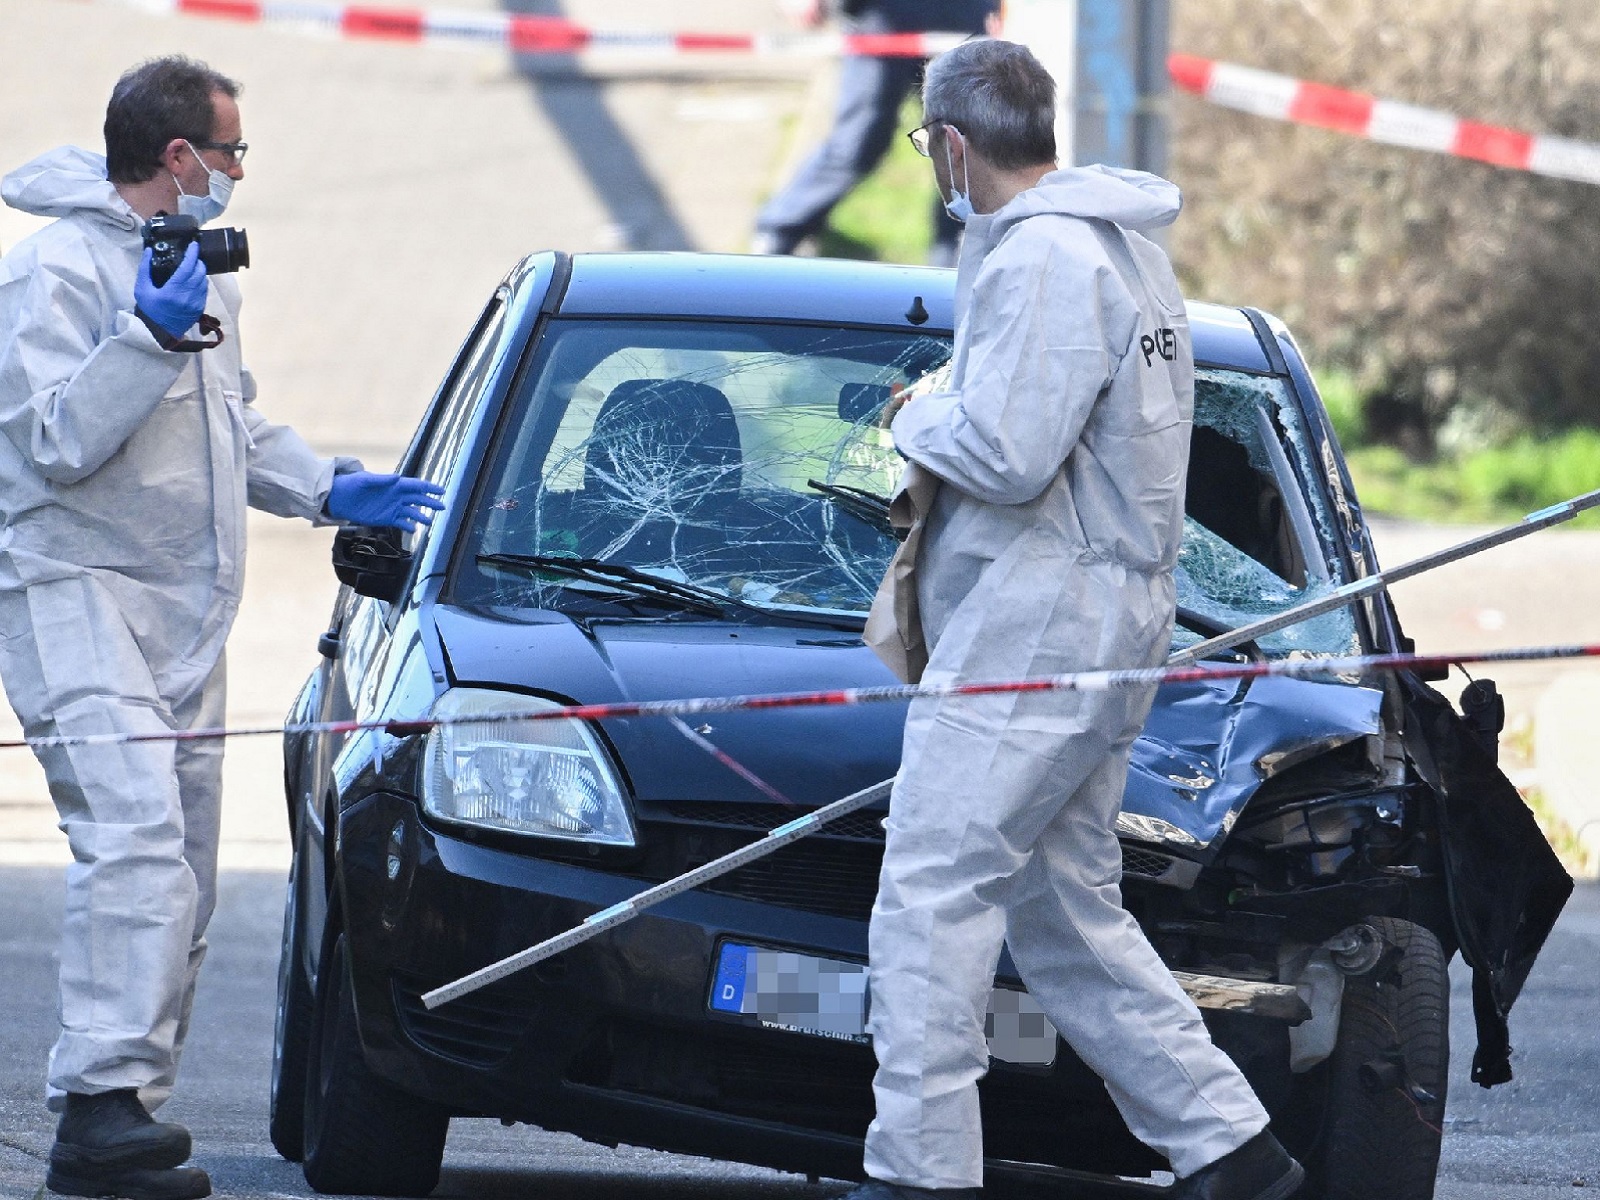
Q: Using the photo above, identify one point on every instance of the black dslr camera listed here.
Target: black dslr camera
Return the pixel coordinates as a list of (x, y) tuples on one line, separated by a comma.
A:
[(168, 237)]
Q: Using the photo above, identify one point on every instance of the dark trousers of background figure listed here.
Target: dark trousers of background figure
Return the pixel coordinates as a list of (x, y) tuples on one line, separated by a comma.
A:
[(871, 92)]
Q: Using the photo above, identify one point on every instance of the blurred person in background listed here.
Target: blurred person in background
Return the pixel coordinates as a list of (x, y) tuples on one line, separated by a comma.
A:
[(871, 92)]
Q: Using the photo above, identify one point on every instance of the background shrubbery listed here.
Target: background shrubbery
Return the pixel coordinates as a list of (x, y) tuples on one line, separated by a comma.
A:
[(1460, 299)]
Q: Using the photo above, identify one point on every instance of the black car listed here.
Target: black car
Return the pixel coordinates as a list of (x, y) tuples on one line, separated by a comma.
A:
[(666, 479)]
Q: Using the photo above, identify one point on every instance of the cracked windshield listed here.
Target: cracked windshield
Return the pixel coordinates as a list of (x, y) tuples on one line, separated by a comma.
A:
[(700, 467), (717, 468)]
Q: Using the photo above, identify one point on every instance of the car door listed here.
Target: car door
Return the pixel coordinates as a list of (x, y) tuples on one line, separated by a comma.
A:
[(361, 629)]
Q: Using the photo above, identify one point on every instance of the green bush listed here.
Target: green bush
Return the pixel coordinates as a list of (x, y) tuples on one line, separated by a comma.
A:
[(1346, 405), (1496, 484)]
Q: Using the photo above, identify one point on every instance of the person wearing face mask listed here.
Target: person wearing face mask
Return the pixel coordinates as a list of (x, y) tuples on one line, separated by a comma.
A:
[(130, 451), (1044, 497)]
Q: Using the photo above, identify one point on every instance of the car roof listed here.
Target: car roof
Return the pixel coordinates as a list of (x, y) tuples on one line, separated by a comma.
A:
[(836, 291)]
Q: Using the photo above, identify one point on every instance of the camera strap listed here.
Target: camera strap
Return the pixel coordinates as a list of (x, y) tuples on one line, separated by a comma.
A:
[(209, 326)]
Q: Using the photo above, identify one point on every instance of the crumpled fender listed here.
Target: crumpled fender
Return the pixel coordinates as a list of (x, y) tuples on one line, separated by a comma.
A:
[(1506, 886)]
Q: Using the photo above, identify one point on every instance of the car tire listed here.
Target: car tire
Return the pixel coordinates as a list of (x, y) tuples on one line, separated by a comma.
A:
[(1387, 1075), (291, 1032), (362, 1136)]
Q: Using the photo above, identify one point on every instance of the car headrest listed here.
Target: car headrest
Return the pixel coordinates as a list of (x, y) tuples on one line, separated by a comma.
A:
[(667, 443)]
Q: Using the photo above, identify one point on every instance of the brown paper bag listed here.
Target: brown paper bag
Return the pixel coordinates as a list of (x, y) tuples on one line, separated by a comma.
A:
[(894, 626)]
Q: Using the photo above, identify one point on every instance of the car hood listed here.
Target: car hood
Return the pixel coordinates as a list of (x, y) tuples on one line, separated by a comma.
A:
[(1204, 751)]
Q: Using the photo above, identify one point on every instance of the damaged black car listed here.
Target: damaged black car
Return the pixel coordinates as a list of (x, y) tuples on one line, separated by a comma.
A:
[(666, 479)]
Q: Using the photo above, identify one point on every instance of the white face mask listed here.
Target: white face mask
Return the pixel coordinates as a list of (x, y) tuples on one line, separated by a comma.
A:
[(212, 205), (959, 206)]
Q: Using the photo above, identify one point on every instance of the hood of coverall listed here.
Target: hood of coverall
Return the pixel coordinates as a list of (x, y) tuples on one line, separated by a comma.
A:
[(65, 181), (1133, 200)]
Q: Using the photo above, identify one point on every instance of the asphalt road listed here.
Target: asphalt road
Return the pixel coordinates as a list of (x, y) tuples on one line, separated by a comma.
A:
[(1536, 1138)]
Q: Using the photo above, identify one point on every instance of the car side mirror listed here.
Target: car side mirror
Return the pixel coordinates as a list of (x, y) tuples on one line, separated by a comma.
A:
[(372, 561), (859, 401)]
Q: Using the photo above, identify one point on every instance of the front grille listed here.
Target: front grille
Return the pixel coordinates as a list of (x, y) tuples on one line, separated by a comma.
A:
[(836, 879), (833, 872), (479, 1030), (1144, 862)]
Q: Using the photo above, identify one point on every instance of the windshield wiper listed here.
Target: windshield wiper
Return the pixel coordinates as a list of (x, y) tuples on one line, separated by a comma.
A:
[(867, 507), (653, 587), (618, 576)]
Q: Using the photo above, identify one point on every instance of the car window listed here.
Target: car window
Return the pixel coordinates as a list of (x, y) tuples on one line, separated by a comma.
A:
[(1256, 539), (437, 458), (741, 458)]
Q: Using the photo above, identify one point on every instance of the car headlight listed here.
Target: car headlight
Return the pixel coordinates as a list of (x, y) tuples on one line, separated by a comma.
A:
[(547, 778)]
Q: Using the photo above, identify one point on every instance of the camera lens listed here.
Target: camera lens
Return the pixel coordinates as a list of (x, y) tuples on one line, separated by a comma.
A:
[(224, 250)]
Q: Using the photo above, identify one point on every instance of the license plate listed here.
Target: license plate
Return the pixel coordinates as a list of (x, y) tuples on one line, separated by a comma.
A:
[(823, 997)]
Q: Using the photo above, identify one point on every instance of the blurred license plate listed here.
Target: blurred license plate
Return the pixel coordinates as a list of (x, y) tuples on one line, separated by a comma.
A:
[(779, 989)]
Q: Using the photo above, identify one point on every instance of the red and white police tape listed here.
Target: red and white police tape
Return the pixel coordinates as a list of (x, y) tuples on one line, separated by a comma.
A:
[(528, 34), (1263, 93), (1346, 667), (1283, 98)]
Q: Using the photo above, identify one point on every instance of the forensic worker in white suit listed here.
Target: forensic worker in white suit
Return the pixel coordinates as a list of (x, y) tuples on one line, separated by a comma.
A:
[(130, 446), (1044, 495)]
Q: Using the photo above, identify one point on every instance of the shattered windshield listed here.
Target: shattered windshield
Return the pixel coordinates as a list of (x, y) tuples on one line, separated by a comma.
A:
[(655, 467), (660, 465), (1253, 538)]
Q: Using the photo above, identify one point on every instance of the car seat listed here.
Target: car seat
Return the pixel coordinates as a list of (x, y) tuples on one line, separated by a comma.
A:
[(662, 472)]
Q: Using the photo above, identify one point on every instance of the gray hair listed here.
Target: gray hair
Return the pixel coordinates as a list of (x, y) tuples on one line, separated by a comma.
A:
[(1001, 99)]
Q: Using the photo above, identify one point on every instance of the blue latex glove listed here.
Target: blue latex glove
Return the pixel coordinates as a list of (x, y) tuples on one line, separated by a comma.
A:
[(177, 304), (395, 501)]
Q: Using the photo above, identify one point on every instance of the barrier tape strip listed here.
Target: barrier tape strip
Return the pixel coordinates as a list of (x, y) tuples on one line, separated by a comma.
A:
[(1283, 98), (1348, 666), (524, 34), (1263, 93)]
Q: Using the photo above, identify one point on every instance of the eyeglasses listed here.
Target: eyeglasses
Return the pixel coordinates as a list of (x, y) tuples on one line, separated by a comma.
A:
[(922, 136), (234, 150)]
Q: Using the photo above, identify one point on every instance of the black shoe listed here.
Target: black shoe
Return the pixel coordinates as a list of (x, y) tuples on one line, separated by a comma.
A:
[(1260, 1169), (130, 1183), (111, 1131), (876, 1189)]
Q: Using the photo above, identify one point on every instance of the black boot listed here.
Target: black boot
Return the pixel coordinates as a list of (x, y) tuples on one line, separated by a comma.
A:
[(1260, 1169), (108, 1145), (130, 1183), (876, 1189)]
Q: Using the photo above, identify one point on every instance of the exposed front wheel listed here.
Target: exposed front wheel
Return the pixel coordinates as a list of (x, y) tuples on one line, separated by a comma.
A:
[(1387, 1077), (362, 1136)]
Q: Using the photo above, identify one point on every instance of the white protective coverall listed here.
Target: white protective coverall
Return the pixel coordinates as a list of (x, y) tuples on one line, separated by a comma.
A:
[(125, 471), (1061, 451)]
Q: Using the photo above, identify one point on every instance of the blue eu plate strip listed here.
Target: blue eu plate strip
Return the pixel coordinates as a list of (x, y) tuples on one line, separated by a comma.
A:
[(727, 993)]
